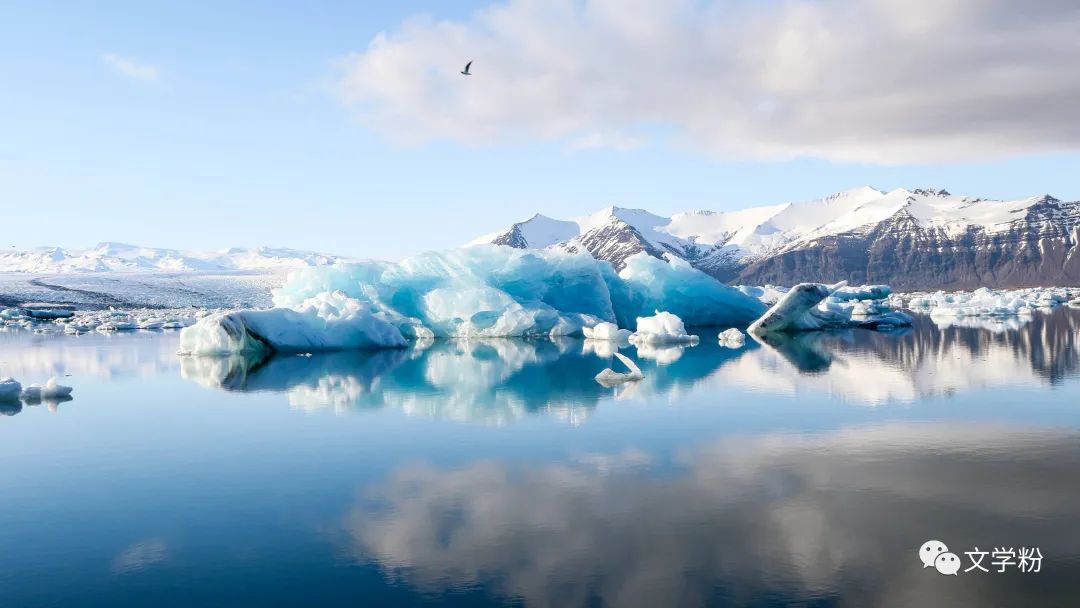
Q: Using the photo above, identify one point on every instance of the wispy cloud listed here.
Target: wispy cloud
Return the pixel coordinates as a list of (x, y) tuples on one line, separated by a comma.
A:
[(131, 68), (882, 81)]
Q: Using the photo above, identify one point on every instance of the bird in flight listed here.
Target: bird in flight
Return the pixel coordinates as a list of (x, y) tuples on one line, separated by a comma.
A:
[(466, 70)]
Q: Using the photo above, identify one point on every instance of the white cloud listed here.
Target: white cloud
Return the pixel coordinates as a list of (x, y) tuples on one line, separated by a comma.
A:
[(871, 81), (126, 66)]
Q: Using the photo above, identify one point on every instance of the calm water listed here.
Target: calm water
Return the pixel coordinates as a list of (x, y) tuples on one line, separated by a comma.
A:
[(802, 472)]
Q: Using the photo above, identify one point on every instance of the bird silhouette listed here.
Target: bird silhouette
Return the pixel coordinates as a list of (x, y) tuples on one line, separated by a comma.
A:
[(466, 70)]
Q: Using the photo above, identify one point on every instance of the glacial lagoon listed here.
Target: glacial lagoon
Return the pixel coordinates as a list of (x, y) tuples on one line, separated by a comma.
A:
[(802, 470)]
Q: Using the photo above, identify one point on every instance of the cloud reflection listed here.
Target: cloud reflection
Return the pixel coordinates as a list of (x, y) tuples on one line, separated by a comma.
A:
[(836, 516)]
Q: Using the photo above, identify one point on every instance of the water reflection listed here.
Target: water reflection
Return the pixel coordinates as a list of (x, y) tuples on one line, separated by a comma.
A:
[(494, 381), (838, 515), (35, 357), (497, 381)]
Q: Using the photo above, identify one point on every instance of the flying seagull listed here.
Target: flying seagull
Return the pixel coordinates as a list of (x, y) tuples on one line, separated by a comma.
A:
[(466, 70)]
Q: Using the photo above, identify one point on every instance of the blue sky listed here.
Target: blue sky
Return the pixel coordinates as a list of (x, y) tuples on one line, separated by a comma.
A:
[(208, 125)]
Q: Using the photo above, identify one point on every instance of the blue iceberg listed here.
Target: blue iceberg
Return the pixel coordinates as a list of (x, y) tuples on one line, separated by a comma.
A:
[(477, 292)]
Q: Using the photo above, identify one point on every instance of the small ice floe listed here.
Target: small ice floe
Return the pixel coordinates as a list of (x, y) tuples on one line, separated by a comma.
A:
[(10, 389), (47, 313), (985, 302), (51, 391), (661, 328), (110, 326), (606, 331), (732, 338), (609, 377)]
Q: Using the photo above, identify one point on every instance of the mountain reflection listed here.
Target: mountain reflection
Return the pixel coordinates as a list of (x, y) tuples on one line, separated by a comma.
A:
[(834, 518), (500, 380)]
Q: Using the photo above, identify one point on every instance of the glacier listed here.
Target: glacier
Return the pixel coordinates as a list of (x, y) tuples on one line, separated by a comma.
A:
[(476, 292)]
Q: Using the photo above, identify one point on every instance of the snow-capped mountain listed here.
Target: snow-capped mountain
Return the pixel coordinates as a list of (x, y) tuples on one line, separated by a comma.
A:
[(118, 257), (909, 238)]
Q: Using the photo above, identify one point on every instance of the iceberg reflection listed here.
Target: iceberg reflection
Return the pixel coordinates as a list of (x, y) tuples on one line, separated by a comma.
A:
[(494, 381), (499, 380)]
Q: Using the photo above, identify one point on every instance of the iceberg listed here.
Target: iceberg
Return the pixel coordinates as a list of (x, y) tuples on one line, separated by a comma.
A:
[(609, 377), (477, 292), (661, 328)]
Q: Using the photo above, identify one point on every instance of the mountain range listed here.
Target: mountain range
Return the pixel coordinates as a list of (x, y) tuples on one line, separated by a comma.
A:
[(119, 257), (910, 239)]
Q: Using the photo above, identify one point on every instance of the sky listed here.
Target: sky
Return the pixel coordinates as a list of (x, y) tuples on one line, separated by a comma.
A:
[(346, 128)]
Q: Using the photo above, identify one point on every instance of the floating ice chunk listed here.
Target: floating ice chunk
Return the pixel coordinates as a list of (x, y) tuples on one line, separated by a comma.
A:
[(809, 307), (8, 314), (609, 377), (886, 319), (331, 321), (51, 391), (109, 326), (798, 311), (661, 328), (985, 302), (50, 313), (732, 338), (862, 292), (606, 331), (10, 389)]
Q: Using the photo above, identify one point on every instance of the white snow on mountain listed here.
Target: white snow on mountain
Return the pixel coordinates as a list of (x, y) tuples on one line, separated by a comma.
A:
[(756, 231), (118, 257)]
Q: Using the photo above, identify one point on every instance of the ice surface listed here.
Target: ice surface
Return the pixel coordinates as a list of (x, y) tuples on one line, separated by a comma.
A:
[(661, 328), (732, 338), (610, 377), (476, 292), (10, 389)]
